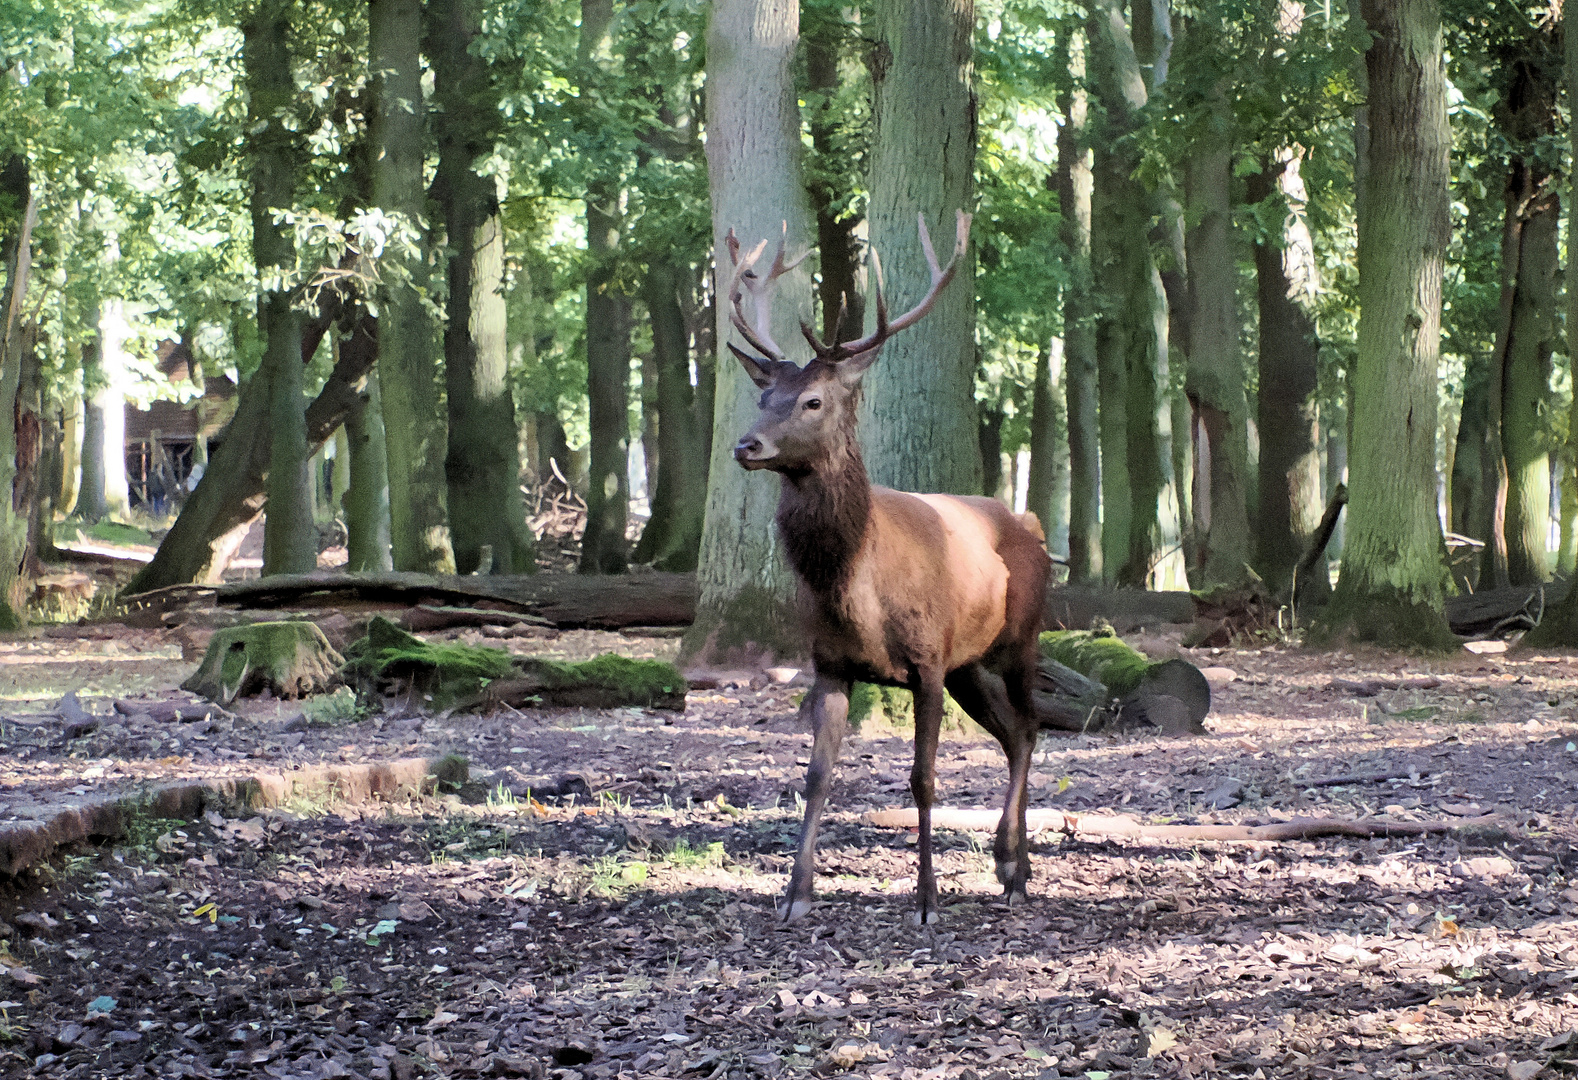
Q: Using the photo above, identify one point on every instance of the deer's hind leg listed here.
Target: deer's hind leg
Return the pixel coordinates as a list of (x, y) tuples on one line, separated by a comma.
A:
[(828, 707), (988, 702)]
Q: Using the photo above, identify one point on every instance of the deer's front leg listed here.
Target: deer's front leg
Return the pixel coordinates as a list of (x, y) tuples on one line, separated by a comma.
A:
[(923, 786), (828, 707)]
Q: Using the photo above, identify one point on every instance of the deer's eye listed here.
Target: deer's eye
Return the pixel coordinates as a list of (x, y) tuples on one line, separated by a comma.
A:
[(813, 403)]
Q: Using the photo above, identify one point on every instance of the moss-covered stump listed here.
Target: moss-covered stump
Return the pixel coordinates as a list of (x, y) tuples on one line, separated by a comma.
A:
[(289, 659), (1170, 695), (465, 677)]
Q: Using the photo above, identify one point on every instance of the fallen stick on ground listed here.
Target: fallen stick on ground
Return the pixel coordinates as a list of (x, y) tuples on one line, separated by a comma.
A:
[(947, 817), (1373, 687), (1365, 778)]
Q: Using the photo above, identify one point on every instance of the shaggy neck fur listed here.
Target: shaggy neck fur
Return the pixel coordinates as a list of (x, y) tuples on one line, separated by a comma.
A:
[(823, 514)]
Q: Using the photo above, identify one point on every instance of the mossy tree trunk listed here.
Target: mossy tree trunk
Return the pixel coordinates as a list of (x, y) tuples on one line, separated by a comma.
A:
[(408, 339), (604, 549), (482, 463), (1046, 492), (918, 424), (754, 173), (1074, 182), (1393, 581), (843, 278), (16, 261), (1291, 502), (1215, 379), (289, 536), (1472, 491)]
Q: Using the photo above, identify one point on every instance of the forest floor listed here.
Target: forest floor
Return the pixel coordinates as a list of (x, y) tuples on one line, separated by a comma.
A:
[(625, 927)]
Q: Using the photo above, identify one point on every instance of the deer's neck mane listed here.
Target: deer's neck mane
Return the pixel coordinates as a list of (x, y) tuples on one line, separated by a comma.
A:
[(823, 515)]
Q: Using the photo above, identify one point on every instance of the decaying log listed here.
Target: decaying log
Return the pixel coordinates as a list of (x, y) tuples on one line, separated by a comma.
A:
[(289, 659), (1491, 611), (1363, 778), (568, 601), (946, 817)]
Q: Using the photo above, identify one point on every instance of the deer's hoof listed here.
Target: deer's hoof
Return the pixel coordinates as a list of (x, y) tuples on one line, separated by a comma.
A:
[(792, 911), (1016, 897), (925, 918)]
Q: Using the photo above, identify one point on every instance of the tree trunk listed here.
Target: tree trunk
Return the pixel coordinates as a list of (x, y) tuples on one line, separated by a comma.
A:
[(367, 497), (1155, 555), (604, 549), (1559, 628), (1080, 381), (1473, 472), (918, 427), (842, 279), (1288, 419), (1215, 379), (1393, 582), (482, 465), (104, 482), (289, 536), (408, 340), (90, 503), (678, 491), (16, 261), (1525, 352), (1048, 423), (753, 166)]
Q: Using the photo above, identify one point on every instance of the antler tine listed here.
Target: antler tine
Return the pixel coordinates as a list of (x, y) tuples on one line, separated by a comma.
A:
[(940, 276), (760, 336)]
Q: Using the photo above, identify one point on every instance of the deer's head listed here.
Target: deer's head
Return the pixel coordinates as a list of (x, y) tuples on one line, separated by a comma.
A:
[(807, 414)]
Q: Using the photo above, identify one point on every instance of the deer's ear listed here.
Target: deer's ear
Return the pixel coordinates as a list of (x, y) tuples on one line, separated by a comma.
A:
[(851, 370), (761, 371)]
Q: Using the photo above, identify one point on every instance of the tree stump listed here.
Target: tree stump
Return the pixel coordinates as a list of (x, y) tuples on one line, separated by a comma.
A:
[(289, 659)]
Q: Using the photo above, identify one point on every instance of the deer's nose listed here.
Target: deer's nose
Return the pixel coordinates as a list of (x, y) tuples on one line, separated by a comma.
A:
[(748, 446)]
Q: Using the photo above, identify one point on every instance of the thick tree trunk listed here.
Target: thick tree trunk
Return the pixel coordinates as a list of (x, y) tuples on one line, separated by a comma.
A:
[(604, 549), (1080, 380), (16, 261), (918, 427), (1393, 581), (678, 492), (1215, 379), (1154, 557), (1291, 499), (104, 439), (408, 339), (289, 536), (1560, 625), (482, 464), (753, 166)]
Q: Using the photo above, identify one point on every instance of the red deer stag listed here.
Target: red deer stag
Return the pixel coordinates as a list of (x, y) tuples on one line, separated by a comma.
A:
[(927, 592)]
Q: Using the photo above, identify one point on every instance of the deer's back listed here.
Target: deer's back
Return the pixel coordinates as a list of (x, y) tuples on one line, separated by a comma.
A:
[(942, 580)]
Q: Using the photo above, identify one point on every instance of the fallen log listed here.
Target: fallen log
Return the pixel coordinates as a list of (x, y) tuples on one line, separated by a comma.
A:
[(1364, 778), (567, 601), (946, 817), (1492, 611), (1373, 687), (1170, 696)]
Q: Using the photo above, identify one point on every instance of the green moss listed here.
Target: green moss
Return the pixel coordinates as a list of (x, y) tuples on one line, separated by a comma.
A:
[(897, 705), (291, 659), (451, 771), (639, 680), (753, 620), (1099, 655)]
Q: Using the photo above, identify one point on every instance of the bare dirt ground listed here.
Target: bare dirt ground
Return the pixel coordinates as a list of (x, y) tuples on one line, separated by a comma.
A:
[(598, 902)]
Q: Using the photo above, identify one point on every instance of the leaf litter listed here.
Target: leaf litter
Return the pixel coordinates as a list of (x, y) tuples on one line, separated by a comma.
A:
[(597, 904)]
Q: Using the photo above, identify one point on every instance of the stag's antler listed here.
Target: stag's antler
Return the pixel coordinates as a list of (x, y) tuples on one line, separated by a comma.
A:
[(760, 337), (940, 276)]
